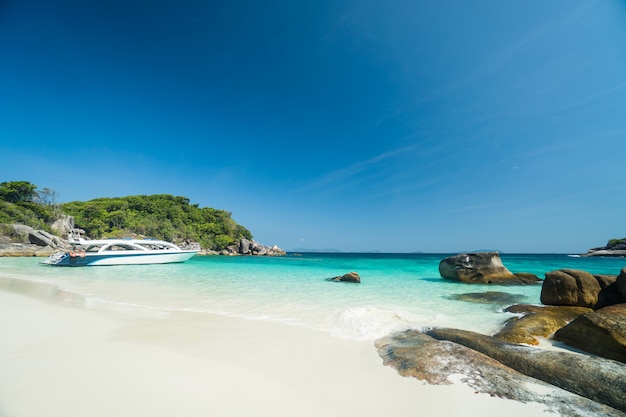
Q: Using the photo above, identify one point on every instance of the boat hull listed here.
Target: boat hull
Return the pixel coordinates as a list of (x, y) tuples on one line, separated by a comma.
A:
[(140, 258)]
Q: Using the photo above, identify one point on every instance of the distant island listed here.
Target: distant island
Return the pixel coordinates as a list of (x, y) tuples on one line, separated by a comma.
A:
[(162, 216), (614, 247)]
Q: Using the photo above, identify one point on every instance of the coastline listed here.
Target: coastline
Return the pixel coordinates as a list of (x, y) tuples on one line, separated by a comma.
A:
[(76, 360)]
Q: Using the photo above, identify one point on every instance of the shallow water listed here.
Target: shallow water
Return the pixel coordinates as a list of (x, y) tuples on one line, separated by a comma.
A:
[(398, 291)]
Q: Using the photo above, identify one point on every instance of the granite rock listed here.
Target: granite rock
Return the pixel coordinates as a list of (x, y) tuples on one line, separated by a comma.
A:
[(601, 380), (415, 354), (601, 332), (481, 268)]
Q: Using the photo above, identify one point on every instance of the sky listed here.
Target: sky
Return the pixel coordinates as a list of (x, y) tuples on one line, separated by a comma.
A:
[(396, 126)]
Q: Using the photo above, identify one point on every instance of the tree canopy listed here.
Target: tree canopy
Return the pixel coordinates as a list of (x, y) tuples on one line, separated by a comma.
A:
[(17, 191), (161, 216)]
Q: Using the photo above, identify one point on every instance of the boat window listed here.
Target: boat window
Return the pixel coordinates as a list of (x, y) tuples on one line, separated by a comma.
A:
[(121, 247)]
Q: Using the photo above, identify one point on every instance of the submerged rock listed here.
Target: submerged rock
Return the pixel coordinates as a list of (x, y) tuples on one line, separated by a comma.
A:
[(601, 380), (352, 277), (415, 354), (489, 297), (602, 332), (481, 268)]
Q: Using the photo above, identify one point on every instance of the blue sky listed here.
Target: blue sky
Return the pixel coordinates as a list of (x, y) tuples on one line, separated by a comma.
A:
[(398, 126)]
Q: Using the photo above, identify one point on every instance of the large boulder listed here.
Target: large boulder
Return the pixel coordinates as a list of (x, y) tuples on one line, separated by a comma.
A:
[(63, 225), (570, 287), (596, 378), (244, 246), (602, 332), (414, 354), (536, 322), (481, 268), (43, 238)]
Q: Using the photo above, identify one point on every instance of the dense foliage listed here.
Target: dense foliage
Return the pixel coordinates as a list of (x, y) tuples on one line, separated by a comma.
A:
[(21, 202), (157, 216)]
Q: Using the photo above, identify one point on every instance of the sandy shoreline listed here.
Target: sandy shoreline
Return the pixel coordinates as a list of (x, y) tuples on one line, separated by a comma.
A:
[(59, 358)]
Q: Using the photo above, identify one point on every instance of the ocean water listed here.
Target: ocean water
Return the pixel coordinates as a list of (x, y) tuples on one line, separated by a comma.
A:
[(397, 292)]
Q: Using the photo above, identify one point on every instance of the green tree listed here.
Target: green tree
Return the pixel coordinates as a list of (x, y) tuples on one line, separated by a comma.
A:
[(17, 191), (160, 216)]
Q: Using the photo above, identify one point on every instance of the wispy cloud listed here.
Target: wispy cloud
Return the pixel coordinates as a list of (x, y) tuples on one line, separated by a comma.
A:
[(407, 189), (474, 207), (344, 174), (530, 39)]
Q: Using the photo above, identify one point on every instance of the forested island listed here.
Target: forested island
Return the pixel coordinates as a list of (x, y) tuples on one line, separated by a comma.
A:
[(162, 216)]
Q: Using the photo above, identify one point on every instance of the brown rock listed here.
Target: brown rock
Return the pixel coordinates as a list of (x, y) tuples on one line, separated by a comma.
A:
[(538, 321), (349, 277), (605, 280), (596, 378), (602, 332), (415, 354), (481, 268), (621, 283), (489, 297), (570, 287)]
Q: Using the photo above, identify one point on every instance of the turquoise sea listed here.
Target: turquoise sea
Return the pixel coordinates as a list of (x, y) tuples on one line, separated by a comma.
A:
[(398, 291)]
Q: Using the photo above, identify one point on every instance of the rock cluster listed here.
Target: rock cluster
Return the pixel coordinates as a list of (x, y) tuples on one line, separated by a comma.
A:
[(482, 268), (536, 322), (21, 240), (252, 247), (583, 310), (444, 355), (570, 287)]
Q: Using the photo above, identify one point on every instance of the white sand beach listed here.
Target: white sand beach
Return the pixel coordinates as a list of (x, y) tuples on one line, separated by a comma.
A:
[(63, 359)]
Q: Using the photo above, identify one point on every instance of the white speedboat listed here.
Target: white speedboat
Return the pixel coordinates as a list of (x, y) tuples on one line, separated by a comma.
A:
[(119, 252)]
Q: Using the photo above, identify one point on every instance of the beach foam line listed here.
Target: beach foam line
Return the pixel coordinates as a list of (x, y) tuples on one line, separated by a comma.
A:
[(61, 358)]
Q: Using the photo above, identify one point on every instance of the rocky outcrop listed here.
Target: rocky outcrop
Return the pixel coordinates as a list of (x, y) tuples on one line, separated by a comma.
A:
[(601, 380), (21, 240), (481, 268), (352, 277), (63, 226), (24, 249), (418, 355), (536, 322), (571, 287), (252, 247), (602, 332), (615, 248)]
